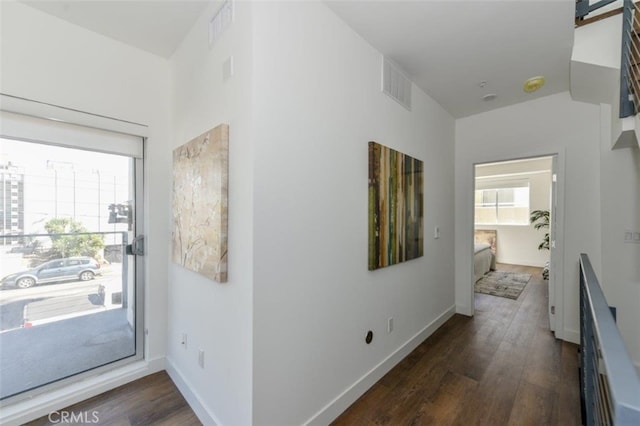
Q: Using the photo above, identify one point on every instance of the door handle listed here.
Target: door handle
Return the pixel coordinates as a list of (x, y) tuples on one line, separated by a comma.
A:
[(137, 246)]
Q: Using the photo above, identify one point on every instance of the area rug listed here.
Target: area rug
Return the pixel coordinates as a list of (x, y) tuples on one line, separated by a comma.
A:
[(502, 284)]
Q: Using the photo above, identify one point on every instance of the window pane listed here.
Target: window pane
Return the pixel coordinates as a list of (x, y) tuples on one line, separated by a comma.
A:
[(521, 197), (505, 197), (489, 197), (67, 303), (506, 206)]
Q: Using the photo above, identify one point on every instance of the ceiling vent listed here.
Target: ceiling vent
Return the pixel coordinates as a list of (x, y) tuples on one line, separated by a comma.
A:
[(395, 83)]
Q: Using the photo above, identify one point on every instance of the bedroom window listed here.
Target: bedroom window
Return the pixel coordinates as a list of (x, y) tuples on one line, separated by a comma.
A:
[(502, 202)]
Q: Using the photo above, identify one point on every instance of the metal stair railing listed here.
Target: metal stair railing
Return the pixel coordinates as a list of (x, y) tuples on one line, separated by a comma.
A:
[(609, 383), (630, 61), (583, 8)]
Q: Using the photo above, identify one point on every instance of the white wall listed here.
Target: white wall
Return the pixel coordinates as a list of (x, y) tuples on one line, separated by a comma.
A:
[(50, 60), (599, 43), (317, 103), (553, 124), (595, 77), (620, 212), (518, 244), (595, 72), (217, 318)]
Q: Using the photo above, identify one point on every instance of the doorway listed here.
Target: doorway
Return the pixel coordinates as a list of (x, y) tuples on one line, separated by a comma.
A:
[(508, 194)]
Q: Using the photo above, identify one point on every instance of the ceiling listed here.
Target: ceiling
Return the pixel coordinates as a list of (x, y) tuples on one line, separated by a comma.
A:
[(157, 26), (449, 47), (445, 47)]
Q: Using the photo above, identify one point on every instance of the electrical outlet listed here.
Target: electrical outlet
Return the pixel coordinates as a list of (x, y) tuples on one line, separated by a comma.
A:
[(389, 324), (201, 358), (632, 237), (183, 340)]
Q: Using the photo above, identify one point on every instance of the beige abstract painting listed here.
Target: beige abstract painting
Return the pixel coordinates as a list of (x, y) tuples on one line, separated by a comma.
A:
[(200, 191)]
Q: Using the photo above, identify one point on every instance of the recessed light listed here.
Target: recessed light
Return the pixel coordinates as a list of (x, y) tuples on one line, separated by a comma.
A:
[(489, 97), (533, 84)]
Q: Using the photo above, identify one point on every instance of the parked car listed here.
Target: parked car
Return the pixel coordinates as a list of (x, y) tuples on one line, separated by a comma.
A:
[(28, 249), (67, 269)]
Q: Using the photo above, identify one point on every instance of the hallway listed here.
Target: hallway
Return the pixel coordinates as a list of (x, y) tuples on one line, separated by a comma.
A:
[(502, 367)]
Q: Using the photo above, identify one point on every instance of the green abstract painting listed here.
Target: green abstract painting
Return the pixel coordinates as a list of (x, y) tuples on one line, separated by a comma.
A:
[(395, 207)]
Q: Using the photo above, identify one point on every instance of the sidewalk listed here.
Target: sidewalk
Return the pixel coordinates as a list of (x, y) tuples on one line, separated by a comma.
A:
[(31, 357)]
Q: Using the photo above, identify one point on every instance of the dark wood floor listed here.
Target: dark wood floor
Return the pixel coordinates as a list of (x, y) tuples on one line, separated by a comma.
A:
[(501, 367), (152, 400)]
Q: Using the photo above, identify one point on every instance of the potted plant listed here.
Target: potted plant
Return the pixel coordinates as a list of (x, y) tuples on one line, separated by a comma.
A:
[(540, 220)]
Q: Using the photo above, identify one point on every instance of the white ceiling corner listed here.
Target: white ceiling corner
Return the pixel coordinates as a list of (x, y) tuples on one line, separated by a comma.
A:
[(156, 26)]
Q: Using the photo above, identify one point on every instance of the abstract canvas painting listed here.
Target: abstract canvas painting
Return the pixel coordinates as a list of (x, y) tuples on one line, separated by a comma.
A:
[(395, 207), (200, 190)]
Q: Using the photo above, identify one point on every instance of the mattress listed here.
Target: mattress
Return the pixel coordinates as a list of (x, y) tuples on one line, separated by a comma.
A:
[(483, 260)]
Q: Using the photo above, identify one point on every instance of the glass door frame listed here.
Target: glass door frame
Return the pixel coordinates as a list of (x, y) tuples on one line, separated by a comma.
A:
[(52, 115)]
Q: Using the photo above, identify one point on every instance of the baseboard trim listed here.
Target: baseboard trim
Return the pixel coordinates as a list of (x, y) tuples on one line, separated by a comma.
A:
[(572, 336), (183, 385), (521, 262), (42, 405), (332, 410)]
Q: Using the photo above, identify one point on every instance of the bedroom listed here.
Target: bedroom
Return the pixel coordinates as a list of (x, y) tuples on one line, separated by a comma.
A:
[(506, 193)]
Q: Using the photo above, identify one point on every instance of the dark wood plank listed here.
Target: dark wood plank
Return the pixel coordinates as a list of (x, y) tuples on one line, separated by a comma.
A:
[(151, 400), (533, 406), (503, 366)]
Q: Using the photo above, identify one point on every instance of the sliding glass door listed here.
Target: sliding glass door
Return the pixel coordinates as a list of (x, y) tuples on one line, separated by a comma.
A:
[(70, 303)]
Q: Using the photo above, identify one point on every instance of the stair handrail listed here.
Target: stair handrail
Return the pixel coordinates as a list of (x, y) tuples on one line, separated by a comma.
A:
[(584, 7), (610, 385)]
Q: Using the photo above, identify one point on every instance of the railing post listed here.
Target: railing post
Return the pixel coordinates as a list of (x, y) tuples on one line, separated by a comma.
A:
[(582, 8)]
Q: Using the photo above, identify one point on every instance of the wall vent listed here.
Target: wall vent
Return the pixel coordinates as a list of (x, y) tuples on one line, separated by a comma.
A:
[(220, 22), (395, 83)]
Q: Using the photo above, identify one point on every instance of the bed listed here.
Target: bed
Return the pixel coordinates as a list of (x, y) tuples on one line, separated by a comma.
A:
[(484, 252)]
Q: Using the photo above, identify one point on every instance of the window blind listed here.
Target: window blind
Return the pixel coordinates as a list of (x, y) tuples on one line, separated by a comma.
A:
[(492, 183), (33, 121)]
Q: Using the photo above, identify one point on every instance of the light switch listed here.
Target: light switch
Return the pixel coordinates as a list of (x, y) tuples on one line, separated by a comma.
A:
[(227, 68)]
